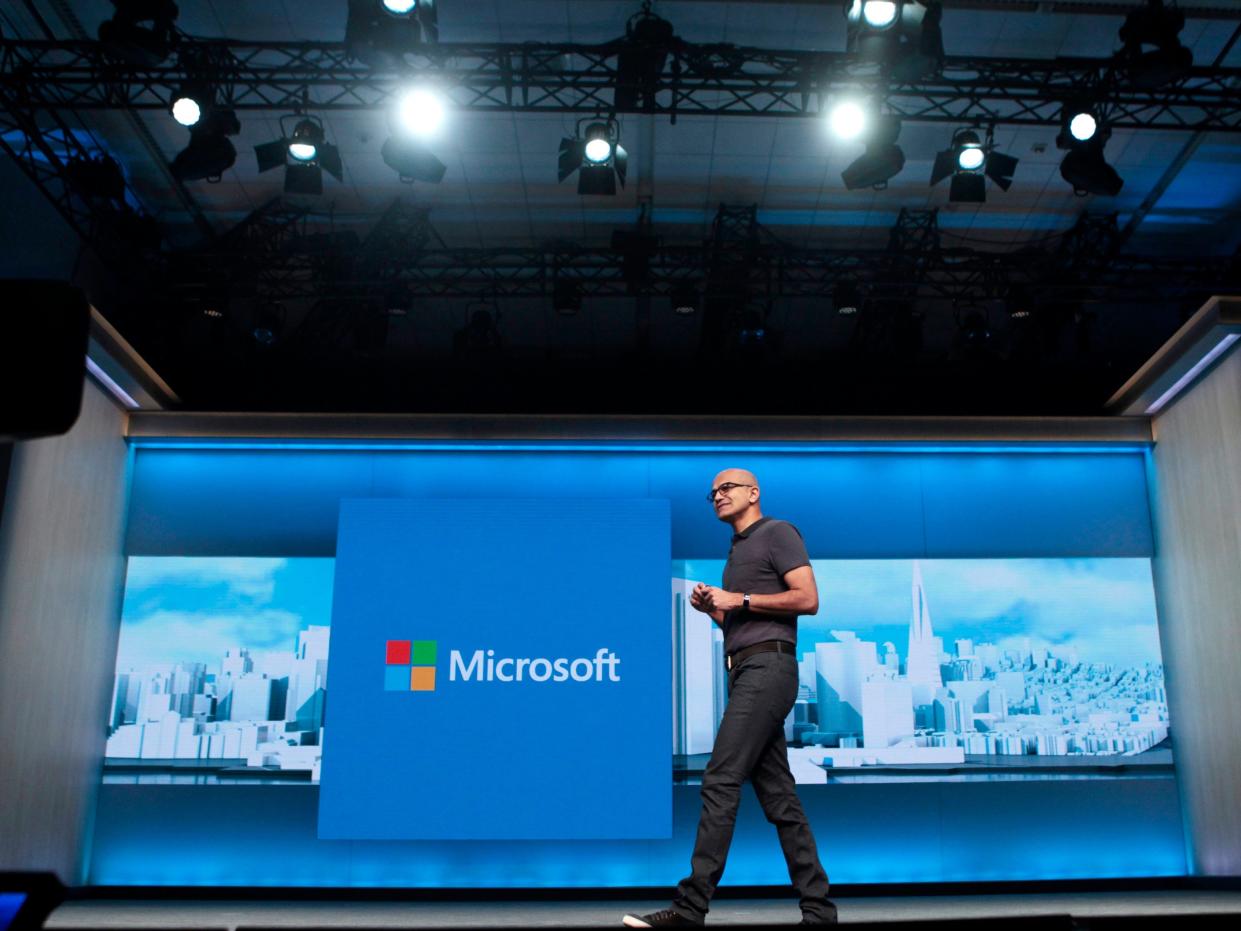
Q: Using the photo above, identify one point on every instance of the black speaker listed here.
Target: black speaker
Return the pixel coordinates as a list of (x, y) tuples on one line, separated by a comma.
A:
[(44, 327)]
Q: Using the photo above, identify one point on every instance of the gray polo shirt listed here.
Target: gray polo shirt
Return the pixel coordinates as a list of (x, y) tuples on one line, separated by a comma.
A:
[(757, 562)]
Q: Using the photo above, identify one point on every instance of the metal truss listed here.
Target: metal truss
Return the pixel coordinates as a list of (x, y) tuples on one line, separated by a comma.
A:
[(277, 254), (45, 153), (706, 80)]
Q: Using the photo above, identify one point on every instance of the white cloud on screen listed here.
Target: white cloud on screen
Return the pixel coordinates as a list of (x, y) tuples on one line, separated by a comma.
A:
[(251, 578), (167, 637)]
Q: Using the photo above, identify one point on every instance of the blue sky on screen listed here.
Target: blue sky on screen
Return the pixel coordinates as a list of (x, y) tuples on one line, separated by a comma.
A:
[(192, 609), (1102, 608)]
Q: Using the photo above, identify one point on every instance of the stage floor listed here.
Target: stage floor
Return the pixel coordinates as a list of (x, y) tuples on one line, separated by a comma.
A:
[(222, 913)]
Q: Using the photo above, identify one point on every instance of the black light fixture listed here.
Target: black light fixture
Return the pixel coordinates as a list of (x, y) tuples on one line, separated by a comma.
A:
[(641, 60), (595, 153), (267, 322), (191, 102), (566, 296), (973, 329), (305, 155), (1152, 54), (411, 160), (209, 153), (847, 297), (684, 297), (418, 115), (96, 177), (1083, 135), (140, 32), (970, 160), (905, 37), (882, 160), (635, 248), (380, 32)]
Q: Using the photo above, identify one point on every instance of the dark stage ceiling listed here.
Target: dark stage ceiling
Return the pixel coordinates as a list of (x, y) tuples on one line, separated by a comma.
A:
[(500, 288)]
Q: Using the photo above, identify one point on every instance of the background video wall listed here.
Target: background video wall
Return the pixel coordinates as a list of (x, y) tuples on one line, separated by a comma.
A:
[(1049, 668), (986, 656)]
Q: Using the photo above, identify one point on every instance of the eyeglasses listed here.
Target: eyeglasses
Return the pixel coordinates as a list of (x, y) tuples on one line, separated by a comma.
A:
[(725, 489)]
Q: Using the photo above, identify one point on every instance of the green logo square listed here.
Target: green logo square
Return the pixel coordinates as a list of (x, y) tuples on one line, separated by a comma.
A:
[(424, 653)]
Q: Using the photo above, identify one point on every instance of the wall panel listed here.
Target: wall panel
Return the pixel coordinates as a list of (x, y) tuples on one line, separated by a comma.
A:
[(1198, 585), (60, 581)]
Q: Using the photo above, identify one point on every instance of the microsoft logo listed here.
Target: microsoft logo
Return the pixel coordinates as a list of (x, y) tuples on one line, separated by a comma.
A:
[(410, 666)]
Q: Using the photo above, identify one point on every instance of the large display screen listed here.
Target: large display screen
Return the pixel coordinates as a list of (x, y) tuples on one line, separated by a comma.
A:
[(931, 669)]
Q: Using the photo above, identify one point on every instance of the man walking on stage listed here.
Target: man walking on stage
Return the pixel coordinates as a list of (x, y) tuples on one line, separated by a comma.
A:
[(768, 582)]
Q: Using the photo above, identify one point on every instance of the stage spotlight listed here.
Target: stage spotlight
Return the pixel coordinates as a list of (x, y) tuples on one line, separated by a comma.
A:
[(305, 155), (970, 155), (881, 161), (684, 298), (847, 119), (970, 161), (641, 60), (421, 112), (598, 148), (566, 296), (905, 38), (1083, 165), (140, 31), (380, 32), (186, 110), (879, 14), (598, 170), (847, 297), (411, 160), (1152, 54), (209, 153), (98, 178), (1082, 126), (1085, 168), (305, 141)]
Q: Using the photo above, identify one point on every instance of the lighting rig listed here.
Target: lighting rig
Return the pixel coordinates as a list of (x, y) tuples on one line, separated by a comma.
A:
[(305, 154), (882, 160), (1152, 54), (903, 37), (140, 32), (1083, 134), (419, 116), (210, 153), (970, 160), (597, 156), (380, 33)]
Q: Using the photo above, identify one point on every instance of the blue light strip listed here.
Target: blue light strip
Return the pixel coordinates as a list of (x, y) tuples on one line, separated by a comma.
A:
[(620, 446)]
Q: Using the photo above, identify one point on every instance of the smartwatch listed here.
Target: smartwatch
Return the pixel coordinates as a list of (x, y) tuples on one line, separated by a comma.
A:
[(745, 601)]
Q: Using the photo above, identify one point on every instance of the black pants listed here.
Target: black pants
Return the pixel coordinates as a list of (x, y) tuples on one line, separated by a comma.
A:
[(750, 744)]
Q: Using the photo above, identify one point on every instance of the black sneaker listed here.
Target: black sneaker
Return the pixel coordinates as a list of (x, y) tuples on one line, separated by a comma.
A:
[(664, 918), (827, 918)]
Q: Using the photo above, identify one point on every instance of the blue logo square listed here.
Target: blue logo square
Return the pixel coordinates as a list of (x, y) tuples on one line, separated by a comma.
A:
[(396, 678)]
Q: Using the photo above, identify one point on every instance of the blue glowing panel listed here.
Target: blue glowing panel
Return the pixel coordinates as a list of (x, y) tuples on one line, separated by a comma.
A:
[(10, 905), (848, 503), (531, 639), (909, 832)]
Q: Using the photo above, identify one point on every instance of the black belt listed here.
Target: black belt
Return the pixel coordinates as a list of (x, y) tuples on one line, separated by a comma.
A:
[(767, 646)]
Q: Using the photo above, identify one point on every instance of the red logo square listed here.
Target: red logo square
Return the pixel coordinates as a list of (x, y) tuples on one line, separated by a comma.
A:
[(398, 653)]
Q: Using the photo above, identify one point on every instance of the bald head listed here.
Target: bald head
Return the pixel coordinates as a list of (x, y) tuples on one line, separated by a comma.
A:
[(738, 503), (736, 476)]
